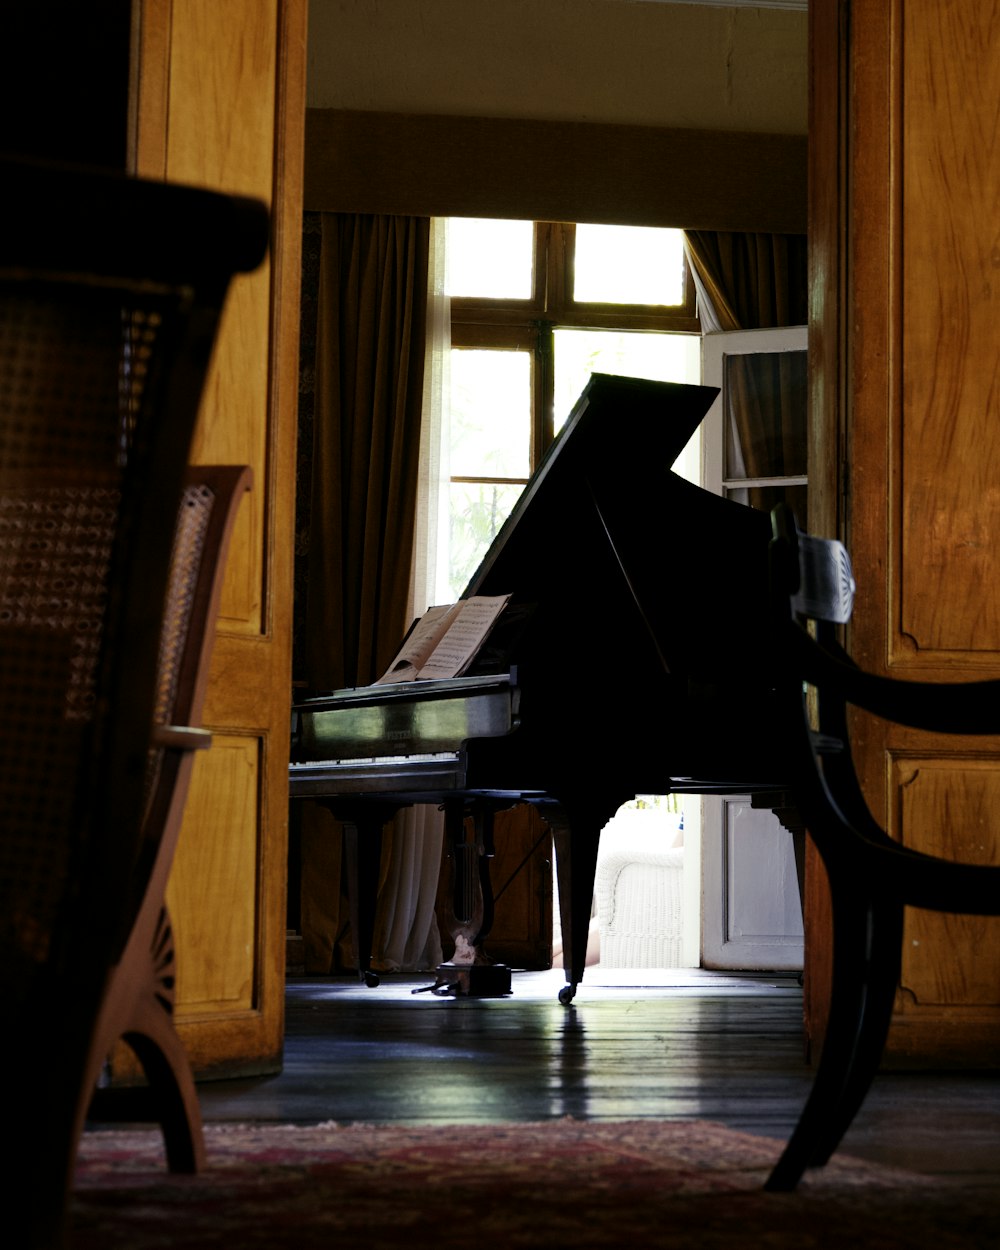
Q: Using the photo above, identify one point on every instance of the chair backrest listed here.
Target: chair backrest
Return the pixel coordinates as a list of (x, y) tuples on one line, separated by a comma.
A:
[(205, 521), (111, 291), (810, 577)]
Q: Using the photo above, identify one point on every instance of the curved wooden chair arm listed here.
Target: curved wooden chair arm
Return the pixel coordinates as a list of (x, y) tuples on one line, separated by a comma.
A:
[(181, 738), (872, 875)]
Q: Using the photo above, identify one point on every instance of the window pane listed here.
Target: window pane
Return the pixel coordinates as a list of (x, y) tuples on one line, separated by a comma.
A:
[(579, 353), (477, 512), (629, 265), (490, 413), (766, 414), (487, 257)]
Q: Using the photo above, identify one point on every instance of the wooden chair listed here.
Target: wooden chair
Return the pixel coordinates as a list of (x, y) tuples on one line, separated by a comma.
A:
[(138, 1004), (111, 291), (872, 877)]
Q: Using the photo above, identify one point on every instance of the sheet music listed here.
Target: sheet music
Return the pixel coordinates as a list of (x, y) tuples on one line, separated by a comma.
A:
[(464, 636), (445, 639), (419, 643)]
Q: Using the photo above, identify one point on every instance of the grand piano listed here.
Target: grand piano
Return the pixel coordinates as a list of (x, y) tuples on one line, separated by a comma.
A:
[(628, 661)]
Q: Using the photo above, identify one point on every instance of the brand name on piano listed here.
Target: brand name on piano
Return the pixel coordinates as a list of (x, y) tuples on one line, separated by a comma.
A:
[(397, 735)]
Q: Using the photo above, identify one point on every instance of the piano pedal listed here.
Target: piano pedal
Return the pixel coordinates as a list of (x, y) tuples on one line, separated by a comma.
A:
[(470, 981)]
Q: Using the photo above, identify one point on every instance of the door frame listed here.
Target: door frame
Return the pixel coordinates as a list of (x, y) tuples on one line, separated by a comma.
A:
[(751, 914)]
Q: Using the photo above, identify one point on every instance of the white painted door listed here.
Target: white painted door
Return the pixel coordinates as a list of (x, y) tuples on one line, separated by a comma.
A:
[(751, 912), (752, 915)]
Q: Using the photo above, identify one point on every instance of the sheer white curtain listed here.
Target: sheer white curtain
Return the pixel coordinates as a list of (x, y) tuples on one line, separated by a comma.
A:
[(411, 940)]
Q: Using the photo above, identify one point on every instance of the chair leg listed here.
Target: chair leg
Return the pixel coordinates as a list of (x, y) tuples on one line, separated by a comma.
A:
[(139, 1009), (884, 957), (844, 1028), (175, 1099), (41, 1120)]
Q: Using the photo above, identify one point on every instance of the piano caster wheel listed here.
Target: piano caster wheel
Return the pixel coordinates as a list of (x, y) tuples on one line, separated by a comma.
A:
[(567, 994), (371, 979)]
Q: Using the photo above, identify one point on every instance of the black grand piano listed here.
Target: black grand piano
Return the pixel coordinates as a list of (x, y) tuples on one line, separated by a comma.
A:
[(628, 661)]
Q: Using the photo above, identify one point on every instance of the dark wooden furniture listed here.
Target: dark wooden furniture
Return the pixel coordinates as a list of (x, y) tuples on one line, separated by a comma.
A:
[(614, 674), (903, 454), (110, 294), (138, 1004), (872, 877)]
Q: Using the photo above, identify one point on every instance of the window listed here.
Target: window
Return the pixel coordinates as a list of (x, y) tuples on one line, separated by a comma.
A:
[(536, 307), (756, 431)]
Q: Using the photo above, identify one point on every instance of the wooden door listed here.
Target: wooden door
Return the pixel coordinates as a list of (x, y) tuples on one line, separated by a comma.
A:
[(905, 190), (219, 101)]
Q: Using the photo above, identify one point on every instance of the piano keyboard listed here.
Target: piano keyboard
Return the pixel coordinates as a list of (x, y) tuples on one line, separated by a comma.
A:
[(379, 761), (430, 773)]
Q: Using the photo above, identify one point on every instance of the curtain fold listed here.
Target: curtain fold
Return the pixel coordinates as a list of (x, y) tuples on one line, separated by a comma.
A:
[(753, 282), (407, 934), (429, 580), (369, 394), (370, 343), (748, 281)]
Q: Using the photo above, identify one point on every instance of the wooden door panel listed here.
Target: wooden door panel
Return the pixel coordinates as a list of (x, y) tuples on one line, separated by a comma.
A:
[(212, 897), (236, 429), (522, 878), (950, 456), (951, 803), (219, 100), (904, 283), (944, 505)]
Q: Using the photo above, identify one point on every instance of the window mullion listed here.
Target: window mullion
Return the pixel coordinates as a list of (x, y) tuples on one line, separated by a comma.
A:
[(560, 242), (542, 393)]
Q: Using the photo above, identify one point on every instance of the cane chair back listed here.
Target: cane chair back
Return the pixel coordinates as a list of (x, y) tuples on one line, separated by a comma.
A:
[(138, 1008), (110, 295)]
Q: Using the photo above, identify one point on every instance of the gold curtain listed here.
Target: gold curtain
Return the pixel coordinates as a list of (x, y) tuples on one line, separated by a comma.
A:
[(368, 389), (751, 282)]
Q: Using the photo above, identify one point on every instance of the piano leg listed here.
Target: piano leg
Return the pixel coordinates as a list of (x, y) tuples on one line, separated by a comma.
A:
[(576, 834), (362, 857)]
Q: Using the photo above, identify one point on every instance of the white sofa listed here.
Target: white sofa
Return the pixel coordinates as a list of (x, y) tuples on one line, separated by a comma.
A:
[(638, 890)]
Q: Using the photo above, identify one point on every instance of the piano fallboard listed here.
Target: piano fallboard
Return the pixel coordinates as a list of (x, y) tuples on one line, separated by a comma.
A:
[(405, 719)]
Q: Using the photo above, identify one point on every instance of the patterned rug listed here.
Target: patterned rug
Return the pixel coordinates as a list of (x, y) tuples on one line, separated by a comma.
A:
[(563, 1183)]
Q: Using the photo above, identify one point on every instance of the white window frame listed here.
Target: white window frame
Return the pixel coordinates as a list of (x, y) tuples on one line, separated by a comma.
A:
[(763, 849), (715, 347)]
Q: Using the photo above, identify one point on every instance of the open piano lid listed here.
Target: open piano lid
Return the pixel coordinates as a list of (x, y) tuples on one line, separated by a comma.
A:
[(635, 583), (614, 420)]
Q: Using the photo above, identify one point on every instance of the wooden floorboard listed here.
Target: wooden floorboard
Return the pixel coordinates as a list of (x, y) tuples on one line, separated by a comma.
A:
[(685, 1045)]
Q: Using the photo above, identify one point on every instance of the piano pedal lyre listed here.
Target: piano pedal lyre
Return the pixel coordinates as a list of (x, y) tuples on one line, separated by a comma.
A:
[(469, 981)]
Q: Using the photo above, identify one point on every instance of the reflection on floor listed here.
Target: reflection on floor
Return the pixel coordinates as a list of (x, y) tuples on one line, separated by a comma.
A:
[(667, 1044)]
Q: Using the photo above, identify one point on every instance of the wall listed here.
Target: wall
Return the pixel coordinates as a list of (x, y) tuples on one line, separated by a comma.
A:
[(593, 110), (620, 61)]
